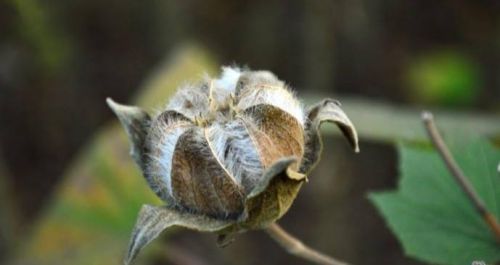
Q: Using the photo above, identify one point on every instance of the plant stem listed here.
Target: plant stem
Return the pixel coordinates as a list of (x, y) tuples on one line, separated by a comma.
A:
[(458, 174), (295, 247)]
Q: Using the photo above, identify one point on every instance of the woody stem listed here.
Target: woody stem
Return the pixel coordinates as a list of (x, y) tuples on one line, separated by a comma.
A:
[(458, 174), (295, 247)]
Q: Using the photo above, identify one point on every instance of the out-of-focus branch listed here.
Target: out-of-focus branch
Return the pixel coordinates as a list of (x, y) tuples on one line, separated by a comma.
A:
[(295, 247), (376, 121), (458, 174)]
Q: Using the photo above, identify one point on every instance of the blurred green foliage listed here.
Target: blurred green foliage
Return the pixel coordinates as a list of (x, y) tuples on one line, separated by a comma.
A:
[(70, 55), (34, 22), (432, 216), (92, 214), (444, 77), (382, 122)]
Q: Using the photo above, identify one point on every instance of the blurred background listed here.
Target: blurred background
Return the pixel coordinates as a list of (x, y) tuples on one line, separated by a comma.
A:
[(62, 155)]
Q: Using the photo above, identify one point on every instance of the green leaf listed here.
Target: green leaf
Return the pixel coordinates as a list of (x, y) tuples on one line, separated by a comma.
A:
[(432, 216)]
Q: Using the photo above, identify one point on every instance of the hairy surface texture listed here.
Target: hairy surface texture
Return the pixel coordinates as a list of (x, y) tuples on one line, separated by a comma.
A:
[(160, 144), (226, 155), (221, 131), (233, 147)]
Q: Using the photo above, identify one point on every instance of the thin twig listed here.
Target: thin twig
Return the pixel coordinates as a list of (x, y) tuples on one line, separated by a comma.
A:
[(457, 173), (295, 247)]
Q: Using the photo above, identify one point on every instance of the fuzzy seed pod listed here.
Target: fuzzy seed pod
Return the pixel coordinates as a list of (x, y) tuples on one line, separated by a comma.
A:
[(226, 155)]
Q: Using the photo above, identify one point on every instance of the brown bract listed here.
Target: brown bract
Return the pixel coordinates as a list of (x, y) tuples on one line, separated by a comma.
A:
[(226, 155)]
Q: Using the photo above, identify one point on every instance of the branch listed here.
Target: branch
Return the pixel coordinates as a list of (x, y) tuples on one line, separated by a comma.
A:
[(295, 247), (376, 120), (457, 173)]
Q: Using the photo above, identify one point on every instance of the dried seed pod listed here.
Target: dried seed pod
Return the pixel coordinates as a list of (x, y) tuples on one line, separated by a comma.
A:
[(226, 155)]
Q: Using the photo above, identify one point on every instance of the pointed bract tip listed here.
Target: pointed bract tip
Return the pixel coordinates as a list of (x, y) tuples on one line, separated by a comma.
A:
[(292, 174), (278, 167), (111, 103), (356, 149), (124, 111)]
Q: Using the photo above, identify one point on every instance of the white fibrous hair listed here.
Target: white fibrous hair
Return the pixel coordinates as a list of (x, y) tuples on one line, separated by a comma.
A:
[(190, 100), (264, 88), (223, 87), (228, 79), (163, 140), (215, 106), (236, 151)]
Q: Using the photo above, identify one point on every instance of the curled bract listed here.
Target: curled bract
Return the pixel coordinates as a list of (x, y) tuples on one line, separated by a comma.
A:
[(225, 155)]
